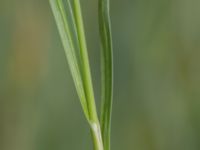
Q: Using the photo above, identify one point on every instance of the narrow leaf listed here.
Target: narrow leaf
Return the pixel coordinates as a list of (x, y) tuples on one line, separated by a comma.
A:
[(80, 71), (66, 37), (107, 71)]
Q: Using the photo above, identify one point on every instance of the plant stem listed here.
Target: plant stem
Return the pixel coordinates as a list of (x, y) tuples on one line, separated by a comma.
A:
[(94, 122), (85, 62), (96, 136)]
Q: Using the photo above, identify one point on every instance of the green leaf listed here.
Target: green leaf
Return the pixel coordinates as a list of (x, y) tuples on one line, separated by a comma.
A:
[(80, 71), (68, 44), (107, 71)]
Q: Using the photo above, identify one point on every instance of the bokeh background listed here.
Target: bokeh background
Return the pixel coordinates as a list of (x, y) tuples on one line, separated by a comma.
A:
[(157, 77)]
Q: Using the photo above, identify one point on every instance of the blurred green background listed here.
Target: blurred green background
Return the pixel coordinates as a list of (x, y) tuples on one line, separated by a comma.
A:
[(157, 77)]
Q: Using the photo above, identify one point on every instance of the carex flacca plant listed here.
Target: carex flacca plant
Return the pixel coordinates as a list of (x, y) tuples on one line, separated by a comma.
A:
[(68, 17)]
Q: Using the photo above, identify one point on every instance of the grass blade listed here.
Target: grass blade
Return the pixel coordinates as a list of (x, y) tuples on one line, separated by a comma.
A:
[(107, 71), (80, 71), (66, 37)]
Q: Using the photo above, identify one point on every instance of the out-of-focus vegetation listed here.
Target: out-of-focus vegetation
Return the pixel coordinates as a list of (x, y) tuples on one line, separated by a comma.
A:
[(157, 77)]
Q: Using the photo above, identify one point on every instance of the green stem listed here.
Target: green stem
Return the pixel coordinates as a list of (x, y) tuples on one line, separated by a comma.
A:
[(94, 122), (85, 62), (96, 136)]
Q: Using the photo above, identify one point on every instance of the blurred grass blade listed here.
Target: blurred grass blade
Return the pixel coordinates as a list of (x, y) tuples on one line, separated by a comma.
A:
[(67, 41), (107, 71)]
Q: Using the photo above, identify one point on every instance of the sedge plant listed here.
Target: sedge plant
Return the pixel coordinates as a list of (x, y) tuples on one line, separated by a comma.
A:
[(68, 17)]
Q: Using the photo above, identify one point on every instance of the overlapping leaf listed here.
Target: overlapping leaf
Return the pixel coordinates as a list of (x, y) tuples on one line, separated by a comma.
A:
[(71, 29), (69, 47)]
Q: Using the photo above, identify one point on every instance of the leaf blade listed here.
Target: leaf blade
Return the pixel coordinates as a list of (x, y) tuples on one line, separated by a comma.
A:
[(107, 70), (66, 38)]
